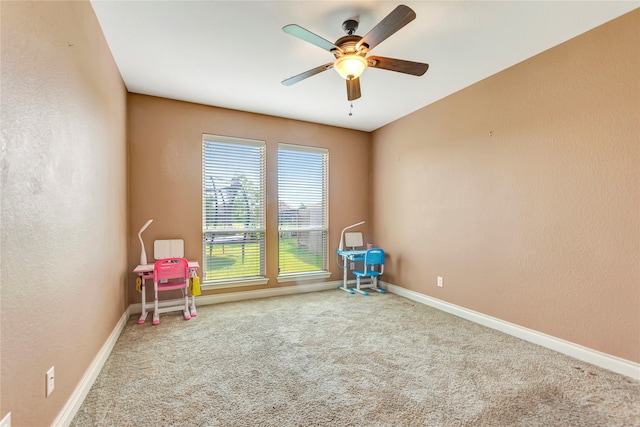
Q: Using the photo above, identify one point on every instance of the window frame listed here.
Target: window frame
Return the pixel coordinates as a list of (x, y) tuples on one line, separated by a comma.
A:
[(324, 228), (261, 278)]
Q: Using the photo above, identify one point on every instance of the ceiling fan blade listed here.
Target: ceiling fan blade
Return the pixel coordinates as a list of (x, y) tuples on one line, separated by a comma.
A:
[(398, 18), (399, 65), (306, 35), (309, 73), (353, 89)]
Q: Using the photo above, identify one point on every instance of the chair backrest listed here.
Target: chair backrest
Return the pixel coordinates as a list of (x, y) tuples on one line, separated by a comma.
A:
[(170, 268), (374, 256)]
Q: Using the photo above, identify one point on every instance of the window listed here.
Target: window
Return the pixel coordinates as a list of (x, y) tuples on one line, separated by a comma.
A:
[(302, 210), (233, 209)]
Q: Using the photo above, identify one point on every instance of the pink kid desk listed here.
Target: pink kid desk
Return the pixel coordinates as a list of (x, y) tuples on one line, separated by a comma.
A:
[(145, 272)]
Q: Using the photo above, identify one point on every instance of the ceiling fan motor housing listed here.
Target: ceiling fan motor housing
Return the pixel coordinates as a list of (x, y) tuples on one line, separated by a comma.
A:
[(348, 46)]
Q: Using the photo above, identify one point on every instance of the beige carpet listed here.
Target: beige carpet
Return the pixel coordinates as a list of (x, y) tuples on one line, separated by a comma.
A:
[(334, 359)]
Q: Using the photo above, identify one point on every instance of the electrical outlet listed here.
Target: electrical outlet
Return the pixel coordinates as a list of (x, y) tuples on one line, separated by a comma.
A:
[(6, 421), (440, 282), (51, 384), (353, 265)]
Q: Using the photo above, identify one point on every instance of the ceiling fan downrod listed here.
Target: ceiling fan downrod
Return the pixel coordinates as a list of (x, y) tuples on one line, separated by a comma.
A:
[(350, 26)]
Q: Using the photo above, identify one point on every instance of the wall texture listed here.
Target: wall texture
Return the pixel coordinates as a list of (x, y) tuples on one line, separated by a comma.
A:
[(523, 192), (64, 202), (165, 138)]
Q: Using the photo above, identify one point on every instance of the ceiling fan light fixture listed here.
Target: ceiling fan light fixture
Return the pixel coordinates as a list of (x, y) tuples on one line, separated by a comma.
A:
[(350, 66)]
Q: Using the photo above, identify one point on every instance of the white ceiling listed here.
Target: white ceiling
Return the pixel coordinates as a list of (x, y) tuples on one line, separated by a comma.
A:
[(234, 54)]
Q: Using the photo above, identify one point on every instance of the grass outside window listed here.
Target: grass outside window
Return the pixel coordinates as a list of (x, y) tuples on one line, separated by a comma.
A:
[(225, 261)]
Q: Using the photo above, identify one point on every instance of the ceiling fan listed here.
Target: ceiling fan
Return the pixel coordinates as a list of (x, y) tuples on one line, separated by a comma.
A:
[(351, 50)]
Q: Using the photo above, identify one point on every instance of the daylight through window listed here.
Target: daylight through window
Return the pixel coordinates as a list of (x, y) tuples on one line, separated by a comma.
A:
[(302, 209), (233, 208)]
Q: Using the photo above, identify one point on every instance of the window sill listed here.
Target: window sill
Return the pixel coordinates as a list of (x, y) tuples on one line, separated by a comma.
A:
[(296, 277), (235, 283)]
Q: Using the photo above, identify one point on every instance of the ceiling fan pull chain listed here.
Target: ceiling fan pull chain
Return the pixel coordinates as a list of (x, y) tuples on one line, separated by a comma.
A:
[(350, 109)]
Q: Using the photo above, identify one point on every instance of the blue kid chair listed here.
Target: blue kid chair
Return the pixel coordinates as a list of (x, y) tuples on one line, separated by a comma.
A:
[(373, 267)]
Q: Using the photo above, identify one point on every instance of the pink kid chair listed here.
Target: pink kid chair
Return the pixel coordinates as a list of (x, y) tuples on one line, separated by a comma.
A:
[(170, 274)]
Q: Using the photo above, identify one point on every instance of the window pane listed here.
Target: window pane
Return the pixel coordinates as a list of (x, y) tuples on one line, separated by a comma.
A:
[(302, 251), (302, 209), (233, 173), (233, 255)]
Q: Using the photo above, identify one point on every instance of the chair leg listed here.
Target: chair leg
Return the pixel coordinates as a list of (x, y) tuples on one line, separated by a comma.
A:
[(375, 285), (357, 289)]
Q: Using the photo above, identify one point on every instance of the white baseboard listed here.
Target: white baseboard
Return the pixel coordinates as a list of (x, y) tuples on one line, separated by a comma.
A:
[(612, 363), (245, 295), (606, 361), (72, 406), (70, 409)]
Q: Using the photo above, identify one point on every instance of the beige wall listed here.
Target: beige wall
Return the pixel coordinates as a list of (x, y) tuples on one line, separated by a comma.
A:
[(523, 192), (165, 138), (64, 202)]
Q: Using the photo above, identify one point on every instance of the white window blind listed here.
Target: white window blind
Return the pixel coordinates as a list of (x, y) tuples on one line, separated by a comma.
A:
[(233, 208), (302, 209)]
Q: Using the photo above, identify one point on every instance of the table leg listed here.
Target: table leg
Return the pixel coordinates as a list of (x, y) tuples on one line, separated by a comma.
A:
[(194, 313), (143, 315), (344, 276)]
